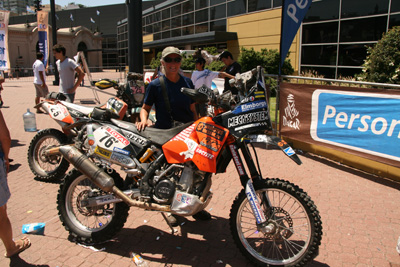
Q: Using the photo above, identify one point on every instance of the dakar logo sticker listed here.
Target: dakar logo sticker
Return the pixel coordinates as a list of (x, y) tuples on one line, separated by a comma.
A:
[(290, 115)]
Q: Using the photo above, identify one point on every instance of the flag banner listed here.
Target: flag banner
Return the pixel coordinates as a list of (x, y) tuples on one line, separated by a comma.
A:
[(71, 17), (57, 17), (92, 20), (293, 13), (98, 13), (43, 33), (4, 56)]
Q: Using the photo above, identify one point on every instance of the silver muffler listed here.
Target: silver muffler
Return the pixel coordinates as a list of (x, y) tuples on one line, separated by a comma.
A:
[(99, 177)]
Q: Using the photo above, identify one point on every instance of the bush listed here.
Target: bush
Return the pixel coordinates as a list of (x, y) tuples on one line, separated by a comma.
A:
[(382, 64), (267, 58)]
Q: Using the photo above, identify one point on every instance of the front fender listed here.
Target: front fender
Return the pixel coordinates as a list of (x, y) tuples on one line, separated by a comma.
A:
[(274, 141)]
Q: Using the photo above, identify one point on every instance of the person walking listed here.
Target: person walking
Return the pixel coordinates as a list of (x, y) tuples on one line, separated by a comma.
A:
[(12, 247), (202, 77), (39, 80), (182, 108), (66, 68), (231, 68)]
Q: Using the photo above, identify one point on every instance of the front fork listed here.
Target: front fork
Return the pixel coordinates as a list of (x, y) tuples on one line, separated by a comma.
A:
[(262, 222)]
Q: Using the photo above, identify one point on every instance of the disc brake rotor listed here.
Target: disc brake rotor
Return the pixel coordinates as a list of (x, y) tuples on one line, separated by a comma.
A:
[(283, 222)]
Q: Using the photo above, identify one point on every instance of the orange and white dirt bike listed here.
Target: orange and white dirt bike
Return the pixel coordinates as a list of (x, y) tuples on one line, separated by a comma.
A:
[(124, 106), (273, 222)]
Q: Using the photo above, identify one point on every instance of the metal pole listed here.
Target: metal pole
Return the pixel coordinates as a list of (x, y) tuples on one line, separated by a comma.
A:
[(135, 36), (54, 33)]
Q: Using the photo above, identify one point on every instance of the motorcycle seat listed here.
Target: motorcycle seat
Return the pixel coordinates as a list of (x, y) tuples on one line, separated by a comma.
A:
[(157, 136)]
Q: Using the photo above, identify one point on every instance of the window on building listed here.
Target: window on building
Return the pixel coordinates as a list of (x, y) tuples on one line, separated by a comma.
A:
[(327, 72), (188, 19), (352, 54), (236, 7), (201, 4), (216, 2), (218, 12), (188, 30), (176, 22), (323, 10), (166, 13), (358, 30), (166, 34), (277, 3), (357, 8), (255, 5), (176, 10), (218, 25), (394, 21), (176, 32), (318, 55), (166, 25), (320, 33), (187, 6), (395, 6), (201, 16), (200, 28), (348, 72)]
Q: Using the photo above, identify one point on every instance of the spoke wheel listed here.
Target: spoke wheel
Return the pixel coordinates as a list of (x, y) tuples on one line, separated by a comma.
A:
[(89, 224), (293, 218), (47, 168)]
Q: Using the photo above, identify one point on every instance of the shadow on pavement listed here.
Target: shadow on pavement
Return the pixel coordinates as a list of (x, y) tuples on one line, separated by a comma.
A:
[(15, 143), (349, 169), (14, 167), (18, 262)]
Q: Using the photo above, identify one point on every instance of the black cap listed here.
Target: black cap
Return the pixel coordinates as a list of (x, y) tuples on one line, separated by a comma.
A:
[(200, 60)]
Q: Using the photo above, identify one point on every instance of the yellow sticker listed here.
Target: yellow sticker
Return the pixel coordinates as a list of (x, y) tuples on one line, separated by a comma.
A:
[(102, 152)]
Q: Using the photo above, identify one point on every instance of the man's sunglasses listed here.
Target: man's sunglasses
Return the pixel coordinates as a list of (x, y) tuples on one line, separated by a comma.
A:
[(170, 59)]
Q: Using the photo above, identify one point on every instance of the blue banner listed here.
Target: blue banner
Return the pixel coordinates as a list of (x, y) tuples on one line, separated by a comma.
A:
[(365, 122), (43, 26), (293, 12)]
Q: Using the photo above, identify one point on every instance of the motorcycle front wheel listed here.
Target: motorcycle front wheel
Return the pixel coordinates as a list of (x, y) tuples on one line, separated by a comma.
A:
[(47, 168), (89, 225), (295, 220)]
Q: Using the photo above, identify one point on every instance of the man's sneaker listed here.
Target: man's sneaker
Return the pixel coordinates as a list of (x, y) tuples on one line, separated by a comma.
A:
[(171, 218), (202, 215)]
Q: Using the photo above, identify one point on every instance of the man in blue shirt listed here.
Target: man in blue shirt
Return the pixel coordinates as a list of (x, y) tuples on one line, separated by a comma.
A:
[(182, 107)]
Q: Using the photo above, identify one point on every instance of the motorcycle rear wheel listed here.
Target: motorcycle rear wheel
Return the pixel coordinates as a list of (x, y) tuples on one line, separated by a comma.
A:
[(298, 227), (89, 225), (47, 168)]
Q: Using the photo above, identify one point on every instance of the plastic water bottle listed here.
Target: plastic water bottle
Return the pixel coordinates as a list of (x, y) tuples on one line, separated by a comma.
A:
[(29, 121), (138, 260)]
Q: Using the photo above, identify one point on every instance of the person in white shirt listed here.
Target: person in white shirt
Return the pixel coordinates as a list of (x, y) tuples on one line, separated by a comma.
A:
[(202, 77), (39, 80)]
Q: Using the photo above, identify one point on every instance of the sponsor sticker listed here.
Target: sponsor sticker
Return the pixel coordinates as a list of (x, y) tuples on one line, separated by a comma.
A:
[(118, 136), (250, 106), (211, 130), (121, 151), (183, 198), (260, 116), (289, 151), (102, 152)]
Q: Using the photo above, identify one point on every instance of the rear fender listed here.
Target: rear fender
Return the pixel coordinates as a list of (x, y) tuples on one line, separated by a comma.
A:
[(274, 141)]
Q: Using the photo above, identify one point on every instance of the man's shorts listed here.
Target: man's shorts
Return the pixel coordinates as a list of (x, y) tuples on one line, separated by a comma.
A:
[(41, 91), (4, 190)]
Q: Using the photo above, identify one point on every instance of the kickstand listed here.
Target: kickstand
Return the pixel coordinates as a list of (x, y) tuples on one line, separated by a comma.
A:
[(170, 226)]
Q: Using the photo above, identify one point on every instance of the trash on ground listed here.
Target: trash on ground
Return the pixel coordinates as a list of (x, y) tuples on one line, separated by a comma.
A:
[(33, 228), (92, 248)]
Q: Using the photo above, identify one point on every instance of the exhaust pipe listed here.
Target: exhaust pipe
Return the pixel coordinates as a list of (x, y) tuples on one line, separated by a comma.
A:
[(99, 177)]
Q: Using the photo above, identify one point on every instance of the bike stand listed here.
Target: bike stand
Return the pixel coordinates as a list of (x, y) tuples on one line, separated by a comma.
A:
[(173, 231)]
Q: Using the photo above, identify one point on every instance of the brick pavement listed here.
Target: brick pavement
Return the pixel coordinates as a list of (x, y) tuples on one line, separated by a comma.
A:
[(361, 221)]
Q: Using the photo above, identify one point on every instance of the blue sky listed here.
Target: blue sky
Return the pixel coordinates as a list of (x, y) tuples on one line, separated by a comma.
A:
[(87, 3)]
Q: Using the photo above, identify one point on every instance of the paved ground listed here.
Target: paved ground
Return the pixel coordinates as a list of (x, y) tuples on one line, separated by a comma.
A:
[(360, 212)]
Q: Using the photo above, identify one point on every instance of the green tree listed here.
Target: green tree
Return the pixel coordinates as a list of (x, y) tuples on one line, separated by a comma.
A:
[(382, 64), (267, 58)]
